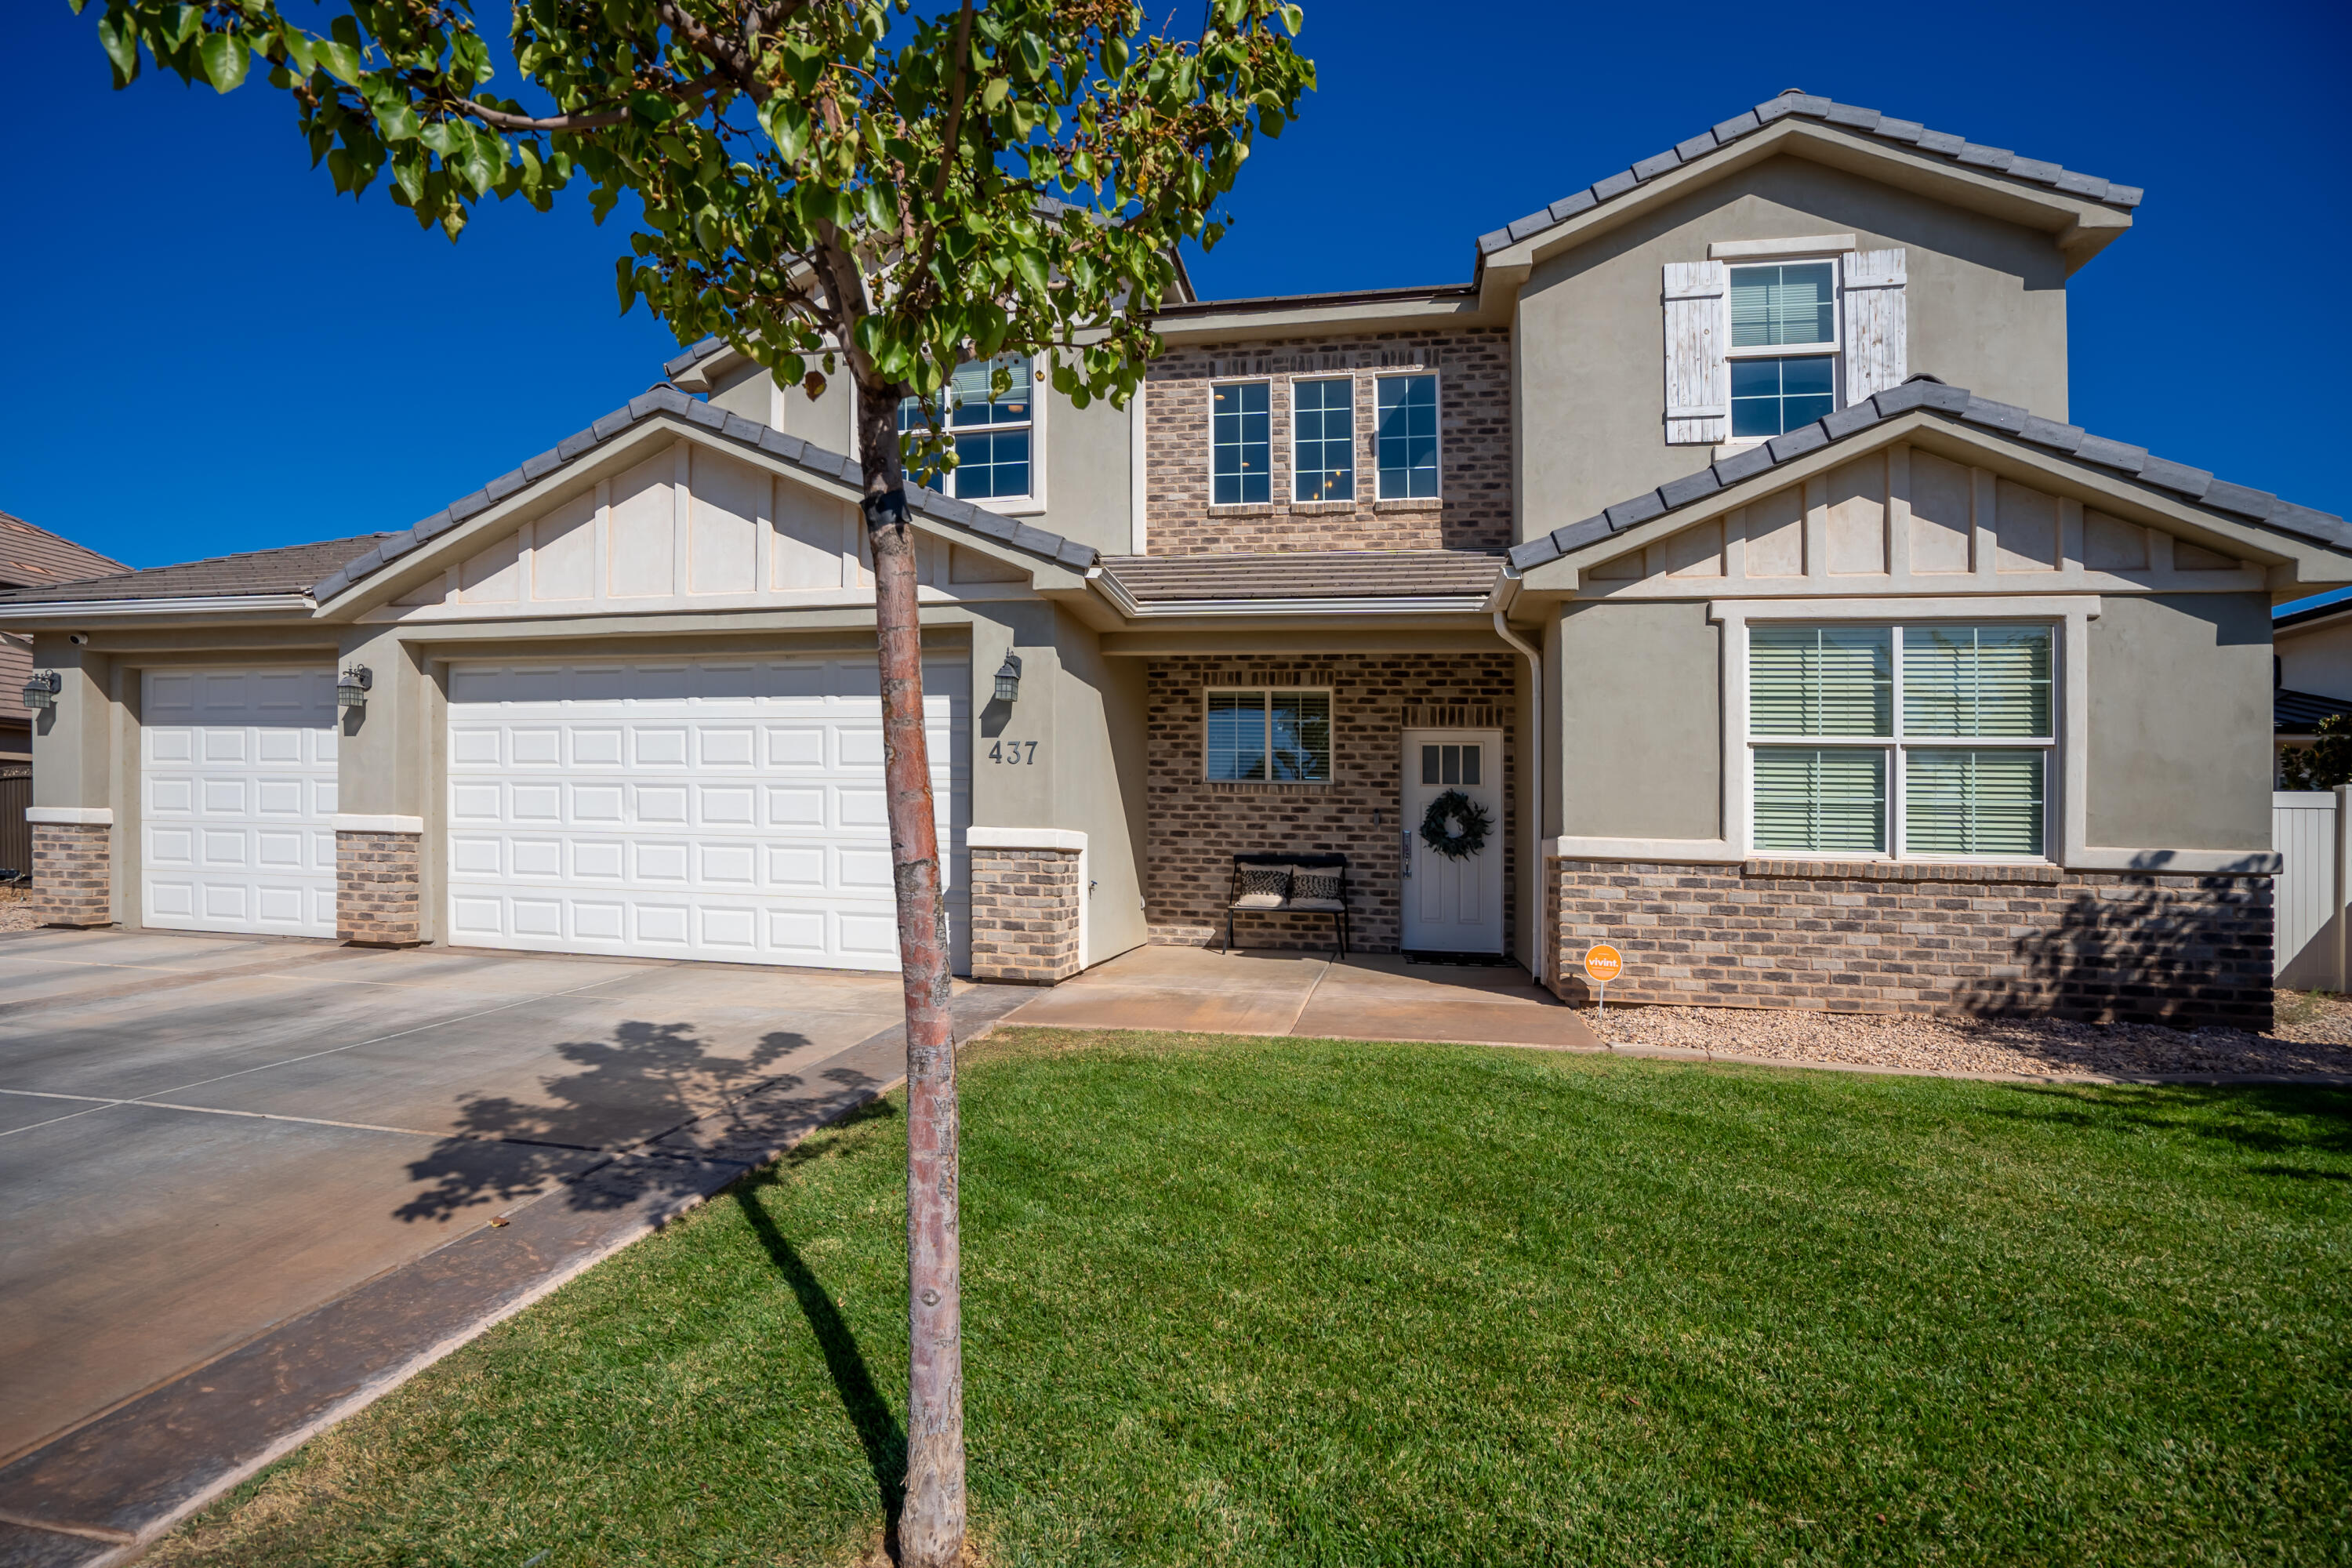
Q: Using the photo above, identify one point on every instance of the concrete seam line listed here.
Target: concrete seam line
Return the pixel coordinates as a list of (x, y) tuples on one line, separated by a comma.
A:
[(1303, 1001), (85, 1531), (377, 1388)]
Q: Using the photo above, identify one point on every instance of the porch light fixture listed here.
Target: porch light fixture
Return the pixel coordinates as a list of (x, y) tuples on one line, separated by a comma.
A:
[(41, 691), (352, 687), (1008, 678)]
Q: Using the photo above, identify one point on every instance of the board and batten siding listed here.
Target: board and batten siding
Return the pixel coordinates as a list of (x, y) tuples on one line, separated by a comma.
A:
[(2311, 831)]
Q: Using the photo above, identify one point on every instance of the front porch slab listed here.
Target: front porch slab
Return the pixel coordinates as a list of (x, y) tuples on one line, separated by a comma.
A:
[(1366, 997)]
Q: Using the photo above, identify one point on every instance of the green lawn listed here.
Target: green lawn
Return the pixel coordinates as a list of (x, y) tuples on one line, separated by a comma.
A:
[(1291, 1302)]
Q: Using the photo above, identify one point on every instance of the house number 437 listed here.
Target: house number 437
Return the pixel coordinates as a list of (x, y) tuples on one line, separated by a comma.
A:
[(1011, 754)]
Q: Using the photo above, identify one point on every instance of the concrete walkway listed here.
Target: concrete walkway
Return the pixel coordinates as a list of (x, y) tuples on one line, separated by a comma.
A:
[(249, 1182), (1375, 997)]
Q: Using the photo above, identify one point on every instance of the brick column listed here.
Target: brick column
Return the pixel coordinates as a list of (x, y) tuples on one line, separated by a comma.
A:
[(1028, 904), (377, 902), (73, 864)]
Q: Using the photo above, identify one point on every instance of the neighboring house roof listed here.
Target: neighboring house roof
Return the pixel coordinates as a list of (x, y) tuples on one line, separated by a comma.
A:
[(30, 556), (290, 569), (2308, 616), (1921, 393), (1306, 574), (2299, 713), (1864, 122)]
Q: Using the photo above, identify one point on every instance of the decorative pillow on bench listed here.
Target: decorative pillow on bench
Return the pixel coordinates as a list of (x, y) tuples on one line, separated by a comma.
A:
[(1315, 887), (1264, 886)]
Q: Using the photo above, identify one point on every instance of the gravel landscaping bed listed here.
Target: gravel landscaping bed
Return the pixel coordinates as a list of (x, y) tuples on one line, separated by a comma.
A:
[(2313, 1036), (17, 909)]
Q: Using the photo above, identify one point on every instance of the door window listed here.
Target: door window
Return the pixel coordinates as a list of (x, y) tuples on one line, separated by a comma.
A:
[(1450, 764)]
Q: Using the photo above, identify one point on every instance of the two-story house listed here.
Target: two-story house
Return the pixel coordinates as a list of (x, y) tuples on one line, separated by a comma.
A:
[(1715, 571)]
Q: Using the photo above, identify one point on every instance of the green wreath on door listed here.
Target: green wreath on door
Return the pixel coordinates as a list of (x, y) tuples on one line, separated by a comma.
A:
[(1455, 825)]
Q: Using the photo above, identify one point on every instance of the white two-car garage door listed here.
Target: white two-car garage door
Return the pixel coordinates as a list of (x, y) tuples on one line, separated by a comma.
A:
[(236, 793), (724, 810)]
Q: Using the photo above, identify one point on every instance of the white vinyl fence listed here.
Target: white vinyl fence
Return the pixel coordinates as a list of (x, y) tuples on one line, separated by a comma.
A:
[(2311, 831)]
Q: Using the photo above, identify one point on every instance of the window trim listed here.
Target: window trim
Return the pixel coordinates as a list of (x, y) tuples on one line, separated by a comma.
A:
[(1835, 350), (1273, 442), (1437, 383), (1033, 503), (1896, 745), (1354, 467), (1331, 716)]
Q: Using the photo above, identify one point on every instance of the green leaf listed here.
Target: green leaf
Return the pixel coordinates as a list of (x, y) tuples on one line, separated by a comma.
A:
[(342, 60), (625, 275), (787, 125), (396, 122), (225, 59), (991, 97), (118, 34), (1032, 266), (1293, 19)]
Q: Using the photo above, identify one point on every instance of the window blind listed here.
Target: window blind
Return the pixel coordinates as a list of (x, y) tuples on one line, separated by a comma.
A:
[(1976, 680), (1972, 802), (1796, 303), (1825, 801), (1821, 680)]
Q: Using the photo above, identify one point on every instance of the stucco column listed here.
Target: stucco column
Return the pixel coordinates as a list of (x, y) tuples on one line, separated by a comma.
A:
[(72, 814), (382, 767)]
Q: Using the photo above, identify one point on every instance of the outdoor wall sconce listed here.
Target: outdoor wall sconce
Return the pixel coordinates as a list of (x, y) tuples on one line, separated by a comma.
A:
[(41, 691), (1008, 678), (352, 687)]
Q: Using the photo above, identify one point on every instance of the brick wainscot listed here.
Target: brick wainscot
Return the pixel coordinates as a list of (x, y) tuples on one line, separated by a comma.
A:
[(73, 864), (1888, 936), (1197, 826), (376, 882), (1028, 904)]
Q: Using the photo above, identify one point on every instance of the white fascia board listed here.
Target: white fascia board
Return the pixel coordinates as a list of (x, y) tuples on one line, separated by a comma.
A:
[(93, 609)]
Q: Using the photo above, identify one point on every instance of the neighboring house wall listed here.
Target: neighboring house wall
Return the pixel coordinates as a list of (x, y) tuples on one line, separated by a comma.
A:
[(1472, 511), (2180, 722), (2317, 658), (1197, 827), (1986, 301)]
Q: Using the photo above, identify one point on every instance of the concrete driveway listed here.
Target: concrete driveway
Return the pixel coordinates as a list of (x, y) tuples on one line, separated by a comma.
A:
[(205, 1139)]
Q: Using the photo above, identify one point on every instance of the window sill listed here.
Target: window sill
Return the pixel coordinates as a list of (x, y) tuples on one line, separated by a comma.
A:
[(1417, 503), (1902, 870), (1322, 508), (1253, 786), (1242, 509), (1013, 506)]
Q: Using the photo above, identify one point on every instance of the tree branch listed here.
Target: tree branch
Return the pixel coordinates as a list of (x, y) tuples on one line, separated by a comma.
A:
[(948, 146), (499, 118)]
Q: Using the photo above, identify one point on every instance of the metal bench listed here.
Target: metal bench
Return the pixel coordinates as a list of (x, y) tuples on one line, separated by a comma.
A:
[(1272, 901)]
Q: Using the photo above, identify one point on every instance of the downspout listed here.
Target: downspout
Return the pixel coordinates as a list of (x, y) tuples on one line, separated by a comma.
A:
[(1535, 784)]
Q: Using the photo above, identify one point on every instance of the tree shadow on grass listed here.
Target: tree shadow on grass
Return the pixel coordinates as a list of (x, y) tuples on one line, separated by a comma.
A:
[(885, 1440), (648, 1079), (2276, 1120)]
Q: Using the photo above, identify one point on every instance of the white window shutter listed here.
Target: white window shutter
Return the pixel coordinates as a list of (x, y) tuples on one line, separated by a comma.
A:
[(1698, 382), (1874, 323)]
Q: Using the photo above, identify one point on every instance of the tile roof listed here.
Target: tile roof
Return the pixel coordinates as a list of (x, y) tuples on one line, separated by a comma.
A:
[(663, 399), (1306, 574), (2299, 713), (1955, 402), (1863, 121), (290, 569), (30, 556), (2312, 612)]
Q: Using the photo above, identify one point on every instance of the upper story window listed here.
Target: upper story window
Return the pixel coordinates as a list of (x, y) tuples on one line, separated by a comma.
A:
[(1323, 428), (994, 432), (1407, 436), (1268, 736), (1776, 309), (1934, 738), (1241, 444)]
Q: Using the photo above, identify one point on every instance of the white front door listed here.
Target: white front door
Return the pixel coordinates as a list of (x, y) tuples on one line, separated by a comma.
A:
[(1453, 904), (711, 809), (236, 800)]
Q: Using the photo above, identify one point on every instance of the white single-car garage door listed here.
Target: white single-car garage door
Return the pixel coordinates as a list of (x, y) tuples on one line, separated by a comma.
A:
[(236, 791), (724, 810)]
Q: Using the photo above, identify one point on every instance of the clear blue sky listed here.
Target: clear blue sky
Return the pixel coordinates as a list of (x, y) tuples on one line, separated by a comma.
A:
[(207, 351)]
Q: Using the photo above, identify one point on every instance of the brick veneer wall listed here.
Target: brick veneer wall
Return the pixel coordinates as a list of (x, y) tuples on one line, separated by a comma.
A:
[(1197, 827), (1025, 907), (1891, 937), (376, 888), (1472, 508), (73, 873)]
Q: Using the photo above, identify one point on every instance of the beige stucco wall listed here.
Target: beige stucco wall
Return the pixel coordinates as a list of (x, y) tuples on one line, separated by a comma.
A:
[(2179, 723), (2318, 660), (1986, 303), (1637, 692)]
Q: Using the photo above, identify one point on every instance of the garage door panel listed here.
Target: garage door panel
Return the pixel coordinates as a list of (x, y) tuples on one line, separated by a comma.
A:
[(659, 856), (237, 800)]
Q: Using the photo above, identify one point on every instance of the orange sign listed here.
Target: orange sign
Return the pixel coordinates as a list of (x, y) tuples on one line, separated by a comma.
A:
[(1603, 964)]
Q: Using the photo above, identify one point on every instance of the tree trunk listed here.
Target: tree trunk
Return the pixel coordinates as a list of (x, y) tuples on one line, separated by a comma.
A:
[(931, 1522)]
